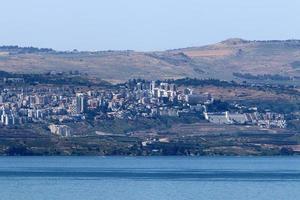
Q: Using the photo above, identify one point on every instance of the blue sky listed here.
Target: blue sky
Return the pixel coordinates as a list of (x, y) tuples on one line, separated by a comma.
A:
[(143, 24)]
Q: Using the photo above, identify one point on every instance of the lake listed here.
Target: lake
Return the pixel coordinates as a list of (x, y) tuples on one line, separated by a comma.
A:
[(159, 178)]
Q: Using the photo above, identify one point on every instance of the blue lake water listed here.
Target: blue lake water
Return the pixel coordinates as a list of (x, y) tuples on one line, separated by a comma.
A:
[(159, 178)]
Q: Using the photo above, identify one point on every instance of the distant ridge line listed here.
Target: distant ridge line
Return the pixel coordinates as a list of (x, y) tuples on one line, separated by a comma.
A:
[(230, 41)]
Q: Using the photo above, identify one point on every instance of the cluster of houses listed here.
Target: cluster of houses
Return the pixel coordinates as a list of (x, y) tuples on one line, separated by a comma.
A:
[(55, 106)]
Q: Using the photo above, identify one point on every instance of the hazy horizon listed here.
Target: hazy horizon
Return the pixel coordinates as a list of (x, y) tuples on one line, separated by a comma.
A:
[(143, 26)]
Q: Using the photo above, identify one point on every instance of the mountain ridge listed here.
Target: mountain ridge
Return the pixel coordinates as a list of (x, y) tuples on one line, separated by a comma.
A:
[(220, 60)]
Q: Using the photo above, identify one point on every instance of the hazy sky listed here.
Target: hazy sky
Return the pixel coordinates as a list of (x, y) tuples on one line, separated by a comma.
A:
[(143, 24)]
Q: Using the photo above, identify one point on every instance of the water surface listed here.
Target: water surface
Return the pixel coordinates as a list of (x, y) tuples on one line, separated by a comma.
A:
[(160, 178)]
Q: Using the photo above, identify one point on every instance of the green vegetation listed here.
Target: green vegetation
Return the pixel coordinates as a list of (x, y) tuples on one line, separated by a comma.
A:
[(202, 82), (263, 77), (55, 79), (17, 49), (27, 143)]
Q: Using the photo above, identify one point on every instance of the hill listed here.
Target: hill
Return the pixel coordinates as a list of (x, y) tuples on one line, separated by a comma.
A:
[(232, 59)]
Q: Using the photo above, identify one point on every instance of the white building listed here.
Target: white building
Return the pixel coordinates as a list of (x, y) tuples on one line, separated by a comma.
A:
[(61, 130)]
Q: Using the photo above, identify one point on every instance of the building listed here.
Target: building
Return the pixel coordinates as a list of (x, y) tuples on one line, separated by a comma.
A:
[(81, 103), (217, 118), (163, 90), (61, 130), (9, 120)]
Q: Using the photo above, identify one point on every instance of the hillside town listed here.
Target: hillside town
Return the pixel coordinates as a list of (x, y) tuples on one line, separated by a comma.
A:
[(55, 106)]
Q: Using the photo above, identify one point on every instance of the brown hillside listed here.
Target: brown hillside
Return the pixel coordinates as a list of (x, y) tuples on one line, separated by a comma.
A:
[(220, 60)]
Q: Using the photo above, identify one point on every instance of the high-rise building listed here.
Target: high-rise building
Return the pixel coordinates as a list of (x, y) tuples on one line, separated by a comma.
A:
[(81, 102), (152, 86)]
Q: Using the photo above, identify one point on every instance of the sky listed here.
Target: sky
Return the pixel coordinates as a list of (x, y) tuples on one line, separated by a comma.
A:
[(144, 25)]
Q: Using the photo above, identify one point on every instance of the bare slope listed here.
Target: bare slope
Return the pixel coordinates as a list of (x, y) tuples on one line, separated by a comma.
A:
[(220, 60), (254, 57)]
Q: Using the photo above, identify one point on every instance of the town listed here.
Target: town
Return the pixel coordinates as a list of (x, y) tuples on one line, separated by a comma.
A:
[(57, 106)]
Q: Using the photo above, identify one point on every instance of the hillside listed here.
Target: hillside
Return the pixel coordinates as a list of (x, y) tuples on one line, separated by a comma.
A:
[(233, 59)]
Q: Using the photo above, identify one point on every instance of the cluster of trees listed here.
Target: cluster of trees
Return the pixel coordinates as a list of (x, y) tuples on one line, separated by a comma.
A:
[(202, 82), (275, 77), (57, 79), (17, 49)]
